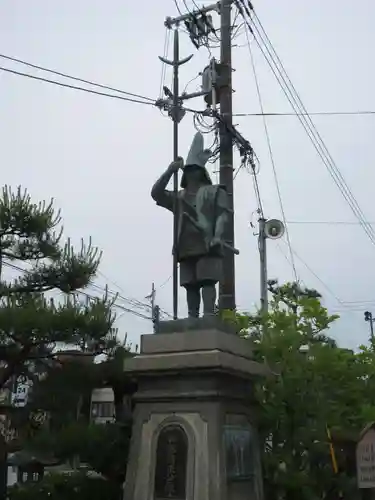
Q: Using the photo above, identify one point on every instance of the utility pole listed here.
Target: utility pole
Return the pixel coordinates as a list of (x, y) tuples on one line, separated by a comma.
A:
[(268, 229), (176, 117), (155, 309), (3, 440), (369, 317), (152, 298), (262, 237), (227, 299), (199, 25)]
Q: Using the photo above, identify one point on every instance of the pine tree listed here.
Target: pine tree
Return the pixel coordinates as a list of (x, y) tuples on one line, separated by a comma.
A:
[(97, 453), (32, 324)]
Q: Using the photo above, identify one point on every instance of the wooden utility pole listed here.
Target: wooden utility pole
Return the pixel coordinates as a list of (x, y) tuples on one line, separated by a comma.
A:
[(155, 309), (223, 7), (369, 317), (227, 299), (262, 243)]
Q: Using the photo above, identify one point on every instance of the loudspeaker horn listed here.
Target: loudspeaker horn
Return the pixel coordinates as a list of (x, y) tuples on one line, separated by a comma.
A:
[(274, 229)]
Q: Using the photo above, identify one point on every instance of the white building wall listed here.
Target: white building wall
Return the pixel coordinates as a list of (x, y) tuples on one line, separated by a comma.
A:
[(102, 405), (12, 475)]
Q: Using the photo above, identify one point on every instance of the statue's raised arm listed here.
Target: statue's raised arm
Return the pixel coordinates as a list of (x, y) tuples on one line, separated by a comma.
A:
[(159, 191)]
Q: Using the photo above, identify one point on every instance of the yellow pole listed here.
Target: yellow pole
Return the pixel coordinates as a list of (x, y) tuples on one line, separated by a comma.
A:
[(332, 451)]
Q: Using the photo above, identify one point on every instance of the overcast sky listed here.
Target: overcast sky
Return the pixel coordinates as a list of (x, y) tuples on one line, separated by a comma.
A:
[(98, 156)]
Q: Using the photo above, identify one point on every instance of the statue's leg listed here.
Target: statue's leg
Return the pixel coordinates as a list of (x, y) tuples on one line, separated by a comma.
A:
[(209, 298), (193, 296), (209, 271), (188, 280)]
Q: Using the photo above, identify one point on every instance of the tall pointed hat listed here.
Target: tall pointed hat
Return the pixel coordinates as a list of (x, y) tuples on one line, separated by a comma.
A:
[(197, 157)]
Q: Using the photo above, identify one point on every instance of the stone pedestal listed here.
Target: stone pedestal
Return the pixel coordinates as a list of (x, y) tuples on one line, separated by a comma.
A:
[(194, 432)]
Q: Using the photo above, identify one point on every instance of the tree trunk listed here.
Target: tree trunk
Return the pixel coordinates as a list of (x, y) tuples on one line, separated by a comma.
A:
[(3, 469)]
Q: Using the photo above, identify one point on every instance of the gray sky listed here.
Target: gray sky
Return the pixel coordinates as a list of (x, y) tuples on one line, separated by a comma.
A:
[(98, 157)]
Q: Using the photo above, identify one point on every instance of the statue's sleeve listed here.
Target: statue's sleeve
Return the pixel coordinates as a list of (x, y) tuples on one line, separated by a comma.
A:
[(221, 209), (165, 199), (162, 196), (222, 199)]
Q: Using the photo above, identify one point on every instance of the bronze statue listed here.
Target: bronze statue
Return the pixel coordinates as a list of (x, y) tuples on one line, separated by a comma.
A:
[(202, 215)]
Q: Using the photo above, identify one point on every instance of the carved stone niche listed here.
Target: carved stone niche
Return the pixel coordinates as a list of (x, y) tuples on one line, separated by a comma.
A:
[(242, 458), (171, 463)]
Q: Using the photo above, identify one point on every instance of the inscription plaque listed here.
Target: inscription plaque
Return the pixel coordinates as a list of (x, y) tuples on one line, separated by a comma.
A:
[(239, 454), (171, 464)]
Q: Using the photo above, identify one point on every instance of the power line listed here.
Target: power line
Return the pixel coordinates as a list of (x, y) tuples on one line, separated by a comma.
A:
[(195, 5), (257, 194), (119, 306), (177, 7), (329, 222), (321, 281), (316, 113), (309, 126), (165, 56), (164, 282), (272, 159), (149, 101), (285, 255), (65, 75), (131, 301), (127, 299), (328, 288), (186, 6), (348, 307), (74, 87), (276, 66), (354, 302)]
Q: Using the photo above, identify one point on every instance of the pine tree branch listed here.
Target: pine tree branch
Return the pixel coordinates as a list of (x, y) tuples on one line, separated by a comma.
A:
[(29, 324), (11, 367)]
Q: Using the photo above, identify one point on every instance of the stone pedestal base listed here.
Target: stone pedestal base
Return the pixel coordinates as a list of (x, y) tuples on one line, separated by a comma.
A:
[(193, 435)]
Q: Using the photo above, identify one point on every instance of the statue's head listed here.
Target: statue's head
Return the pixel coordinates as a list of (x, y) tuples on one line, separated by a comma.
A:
[(194, 174), (195, 170)]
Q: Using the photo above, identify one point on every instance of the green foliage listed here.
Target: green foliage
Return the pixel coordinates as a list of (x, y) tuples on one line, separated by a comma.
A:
[(104, 448), (63, 392), (75, 486), (313, 385), (69, 437), (31, 325), (26, 228), (66, 386), (113, 441), (28, 234), (31, 321)]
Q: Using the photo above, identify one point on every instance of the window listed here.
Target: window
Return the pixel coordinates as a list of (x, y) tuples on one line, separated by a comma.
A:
[(30, 474), (103, 409)]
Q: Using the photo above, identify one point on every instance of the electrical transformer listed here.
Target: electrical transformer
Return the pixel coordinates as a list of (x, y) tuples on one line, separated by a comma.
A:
[(210, 83)]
